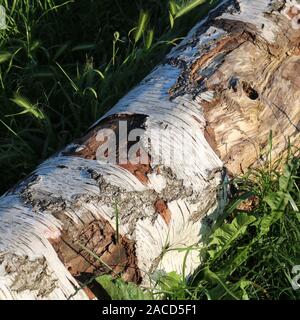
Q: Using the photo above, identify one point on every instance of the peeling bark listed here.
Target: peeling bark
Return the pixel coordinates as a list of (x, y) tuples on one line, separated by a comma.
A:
[(232, 80)]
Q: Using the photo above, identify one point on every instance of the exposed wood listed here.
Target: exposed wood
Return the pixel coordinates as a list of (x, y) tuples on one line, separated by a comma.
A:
[(205, 111)]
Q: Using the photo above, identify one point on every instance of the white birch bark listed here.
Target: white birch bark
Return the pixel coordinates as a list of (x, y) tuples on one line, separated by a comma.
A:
[(234, 78)]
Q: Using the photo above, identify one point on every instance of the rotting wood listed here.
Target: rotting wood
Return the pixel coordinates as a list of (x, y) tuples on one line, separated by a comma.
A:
[(232, 80)]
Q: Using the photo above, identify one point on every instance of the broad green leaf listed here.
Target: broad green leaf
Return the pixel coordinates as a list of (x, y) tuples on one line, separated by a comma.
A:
[(169, 281), (267, 221), (121, 290), (218, 291), (224, 236), (286, 179), (220, 288), (277, 201), (239, 258), (241, 287)]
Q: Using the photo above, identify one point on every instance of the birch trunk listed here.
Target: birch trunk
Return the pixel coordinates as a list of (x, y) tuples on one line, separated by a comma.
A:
[(202, 116)]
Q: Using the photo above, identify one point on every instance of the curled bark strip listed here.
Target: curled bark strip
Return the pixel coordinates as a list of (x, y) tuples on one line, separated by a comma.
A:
[(211, 104)]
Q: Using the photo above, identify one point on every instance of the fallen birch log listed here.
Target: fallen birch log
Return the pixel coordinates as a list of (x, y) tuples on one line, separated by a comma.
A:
[(150, 176)]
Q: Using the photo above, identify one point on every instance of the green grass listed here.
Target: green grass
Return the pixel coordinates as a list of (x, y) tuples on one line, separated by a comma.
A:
[(252, 254), (64, 63)]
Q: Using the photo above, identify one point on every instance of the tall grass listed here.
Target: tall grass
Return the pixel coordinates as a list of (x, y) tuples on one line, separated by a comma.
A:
[(255, 247), (63, 63)]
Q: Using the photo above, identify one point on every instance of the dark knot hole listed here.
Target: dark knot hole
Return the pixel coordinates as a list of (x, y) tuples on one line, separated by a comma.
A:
[(250, 92)]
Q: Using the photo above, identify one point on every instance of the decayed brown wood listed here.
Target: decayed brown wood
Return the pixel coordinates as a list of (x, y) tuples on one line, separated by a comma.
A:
[(256, 90)]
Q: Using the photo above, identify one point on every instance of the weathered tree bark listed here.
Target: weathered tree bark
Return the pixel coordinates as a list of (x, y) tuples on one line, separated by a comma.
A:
[(234, 78)]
